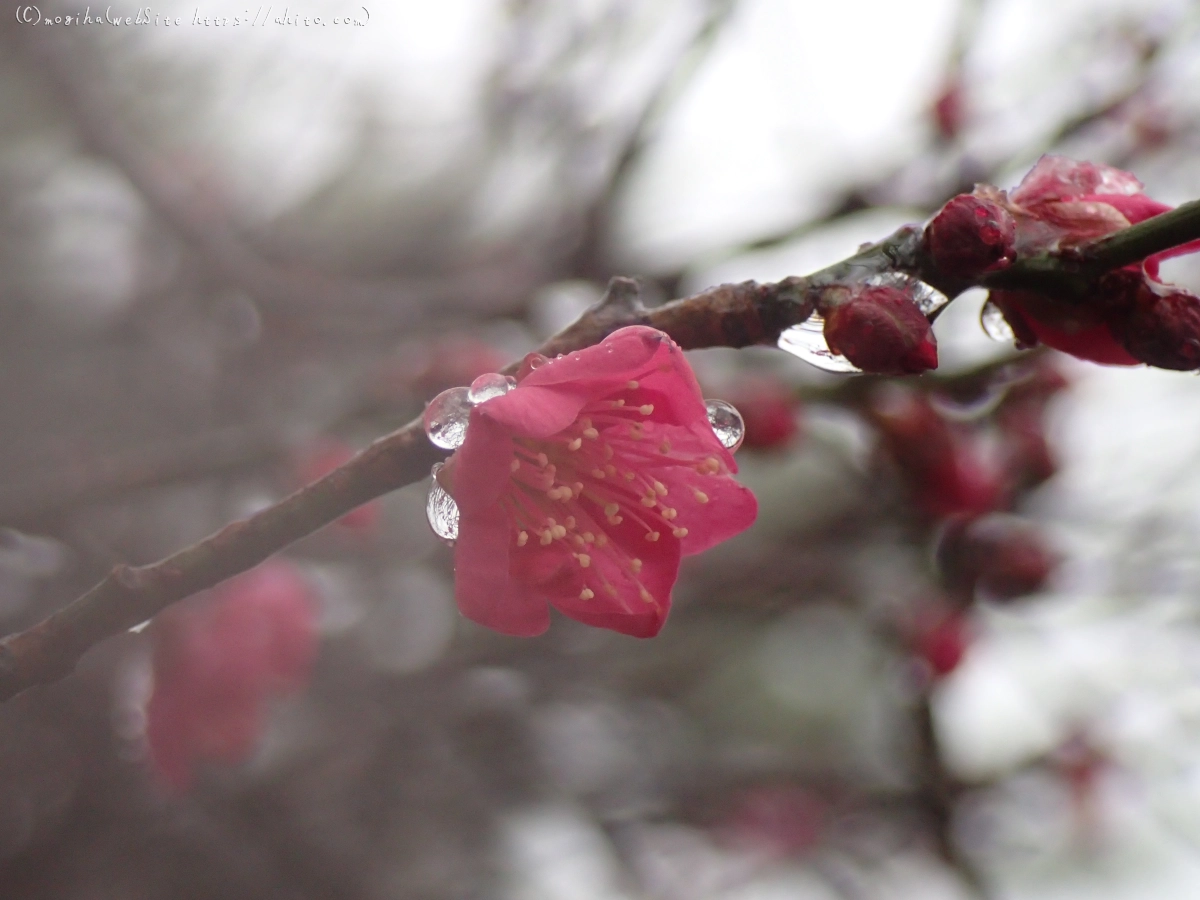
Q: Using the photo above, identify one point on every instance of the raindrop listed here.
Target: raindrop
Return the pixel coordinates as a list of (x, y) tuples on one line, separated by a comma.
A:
[(446, 418), (995, 325), (726, 423), (927, 298), (807, 341), (488, 387), (441, 510)]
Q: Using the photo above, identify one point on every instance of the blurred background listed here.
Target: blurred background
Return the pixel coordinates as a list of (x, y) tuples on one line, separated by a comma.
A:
[(957, 656)]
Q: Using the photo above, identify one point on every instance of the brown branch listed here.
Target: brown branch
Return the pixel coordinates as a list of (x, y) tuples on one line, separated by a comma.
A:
[(213, 453), (938, 790), (729, 315)]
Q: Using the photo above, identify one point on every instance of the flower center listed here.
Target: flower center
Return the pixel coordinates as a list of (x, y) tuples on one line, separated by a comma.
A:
[(566, 491)]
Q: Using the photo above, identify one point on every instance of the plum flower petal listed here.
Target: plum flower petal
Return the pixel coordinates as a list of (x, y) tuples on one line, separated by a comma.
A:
[(583, 486), (1062, 203), (218, 659)]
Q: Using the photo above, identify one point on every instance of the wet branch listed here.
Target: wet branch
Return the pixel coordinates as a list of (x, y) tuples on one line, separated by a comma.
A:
[(729, 315)]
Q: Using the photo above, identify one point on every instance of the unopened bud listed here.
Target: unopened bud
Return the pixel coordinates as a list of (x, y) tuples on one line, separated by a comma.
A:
[(880, 329), (1163, 328), (971, 235), (1003, 556)]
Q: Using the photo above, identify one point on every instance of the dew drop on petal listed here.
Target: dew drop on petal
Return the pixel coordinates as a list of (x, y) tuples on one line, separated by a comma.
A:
[(489, 386), (446, 418), (807, 341), (726, 423), (995, 325), (441, 510), (927, 298)]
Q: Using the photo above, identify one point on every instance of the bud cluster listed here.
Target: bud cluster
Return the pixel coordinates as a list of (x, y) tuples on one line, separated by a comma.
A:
[(1127, 317)]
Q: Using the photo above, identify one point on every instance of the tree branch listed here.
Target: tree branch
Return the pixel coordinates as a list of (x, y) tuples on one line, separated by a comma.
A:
[(1162, 232), (729, 315)]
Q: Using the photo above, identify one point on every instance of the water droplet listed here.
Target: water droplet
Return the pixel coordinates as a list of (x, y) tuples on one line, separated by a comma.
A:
[(441, 510), (807, 341), (726, 423), (927, 298), (995, 325), (487, 387), (446, 418)]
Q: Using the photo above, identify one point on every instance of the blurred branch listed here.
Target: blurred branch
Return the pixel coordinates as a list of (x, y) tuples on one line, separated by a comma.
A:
[(288, 288), (939, 790), (597, 218), (729, 315), (967, 170), (216, 452)]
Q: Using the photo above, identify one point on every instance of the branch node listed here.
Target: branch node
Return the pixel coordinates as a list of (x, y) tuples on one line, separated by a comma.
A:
[(623, 295)]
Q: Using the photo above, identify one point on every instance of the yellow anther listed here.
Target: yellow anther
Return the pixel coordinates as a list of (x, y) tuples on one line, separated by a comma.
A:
[(664, 447), (632, 385), (576, 488), (660, 489), (646, 408), (586, 594), (575, 444), (569, 522), (680, 532), (652, 536), (558, 531), (597, 473), (542, 459), (650, 500), (628, 476), (611, 509), (589, 537), (646, 597), (635, 564), (591, 433), (669, 513), (700, 496), (617, 402), (610, 590), (602, 540), (615, 520), (584, 560), (514, 465), (545, 539), (522, 538)]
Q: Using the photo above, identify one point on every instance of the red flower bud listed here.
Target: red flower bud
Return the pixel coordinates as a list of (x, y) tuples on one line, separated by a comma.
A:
[(943, 643), (948, 110), (941, 464), (880, 329), (971, 235), (781, 820), (1162, 327), (1001, 555)]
